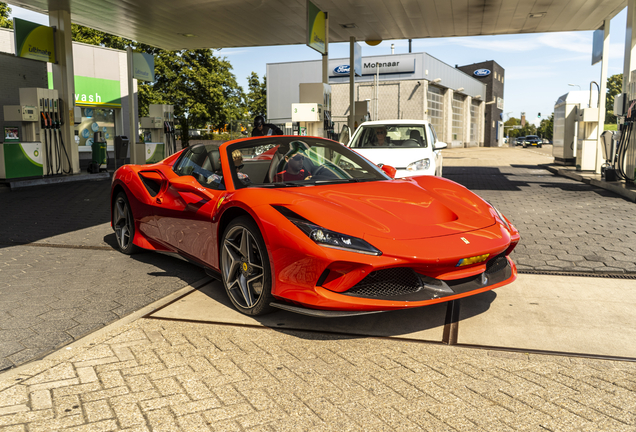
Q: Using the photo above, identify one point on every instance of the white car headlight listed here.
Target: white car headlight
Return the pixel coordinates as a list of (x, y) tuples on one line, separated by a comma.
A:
[(419, 165)]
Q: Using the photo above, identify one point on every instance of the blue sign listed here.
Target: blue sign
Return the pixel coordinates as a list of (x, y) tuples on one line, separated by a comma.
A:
[(481, 72), (341, 70)]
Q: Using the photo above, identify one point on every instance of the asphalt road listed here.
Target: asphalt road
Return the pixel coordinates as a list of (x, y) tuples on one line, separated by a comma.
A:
[(60, 275), (565, 225)]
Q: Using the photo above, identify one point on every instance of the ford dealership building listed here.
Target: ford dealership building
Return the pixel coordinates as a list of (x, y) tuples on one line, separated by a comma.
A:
[(401, 86)]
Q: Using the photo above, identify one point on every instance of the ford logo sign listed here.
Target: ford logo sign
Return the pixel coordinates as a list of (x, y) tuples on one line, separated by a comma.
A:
[(341, 70), (481, 72)]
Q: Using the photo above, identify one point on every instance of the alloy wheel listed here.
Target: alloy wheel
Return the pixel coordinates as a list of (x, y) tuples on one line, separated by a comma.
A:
[(122, 223), (243, 270)]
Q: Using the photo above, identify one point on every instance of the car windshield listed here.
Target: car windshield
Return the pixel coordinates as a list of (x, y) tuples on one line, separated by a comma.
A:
[(400, 136), (292, 162)]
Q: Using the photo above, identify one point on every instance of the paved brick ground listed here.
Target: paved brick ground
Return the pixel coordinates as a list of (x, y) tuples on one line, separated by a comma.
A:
[(162, 376), (167, 376), (60, 277), (565, 225)]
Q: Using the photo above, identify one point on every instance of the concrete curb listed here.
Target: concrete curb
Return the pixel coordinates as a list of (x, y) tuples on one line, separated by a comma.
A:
[(70, 350), (19, 184), (620, 188)]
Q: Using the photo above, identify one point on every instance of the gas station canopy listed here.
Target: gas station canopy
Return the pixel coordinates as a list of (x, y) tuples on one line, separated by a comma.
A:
[(190, 24)]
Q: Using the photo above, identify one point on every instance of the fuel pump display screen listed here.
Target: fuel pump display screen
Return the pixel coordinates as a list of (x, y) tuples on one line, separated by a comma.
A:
[(96, 119)]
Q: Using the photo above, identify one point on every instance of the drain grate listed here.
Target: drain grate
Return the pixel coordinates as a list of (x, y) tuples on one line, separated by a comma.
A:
[(630, 276)]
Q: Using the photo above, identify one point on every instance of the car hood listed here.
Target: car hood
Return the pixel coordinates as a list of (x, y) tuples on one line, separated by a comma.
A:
[(412, 208), (396, 157)]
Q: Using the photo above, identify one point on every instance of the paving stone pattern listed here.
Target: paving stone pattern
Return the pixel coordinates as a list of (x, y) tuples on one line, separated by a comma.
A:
[(70, 281), (155, 375), (565, 225)]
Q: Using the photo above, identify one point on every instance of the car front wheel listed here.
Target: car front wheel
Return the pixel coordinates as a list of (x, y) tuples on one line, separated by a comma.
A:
[(245, 267)]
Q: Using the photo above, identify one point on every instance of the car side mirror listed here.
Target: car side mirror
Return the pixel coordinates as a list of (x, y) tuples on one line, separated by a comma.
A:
[(389, 170), (439, 145), (345, 135)]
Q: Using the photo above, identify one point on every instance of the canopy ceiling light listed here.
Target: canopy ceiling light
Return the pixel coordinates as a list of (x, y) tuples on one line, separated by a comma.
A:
[(373, 42), (537, 15), (348, 26), (188, 35)]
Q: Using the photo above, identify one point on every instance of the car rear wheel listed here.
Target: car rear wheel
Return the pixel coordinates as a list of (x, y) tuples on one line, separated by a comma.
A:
[(245, 267), (124, 224)]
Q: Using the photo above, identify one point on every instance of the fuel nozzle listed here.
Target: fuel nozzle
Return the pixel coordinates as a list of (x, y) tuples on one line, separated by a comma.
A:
[(43, 120)]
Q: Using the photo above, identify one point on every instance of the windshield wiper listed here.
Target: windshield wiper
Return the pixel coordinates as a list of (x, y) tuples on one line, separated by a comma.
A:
[(281, 185)]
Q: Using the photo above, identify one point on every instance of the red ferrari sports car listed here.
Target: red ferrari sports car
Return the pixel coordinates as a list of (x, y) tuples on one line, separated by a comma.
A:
[(307, 225)]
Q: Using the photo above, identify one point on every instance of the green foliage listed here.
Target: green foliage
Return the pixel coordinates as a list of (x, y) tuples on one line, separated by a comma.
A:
[(5, 22), (614, 87), (256, 96), (546, 127), (95, 37)]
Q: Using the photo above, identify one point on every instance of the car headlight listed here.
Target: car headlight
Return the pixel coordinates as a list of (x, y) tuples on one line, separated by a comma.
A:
[(334, 240), (501, 218), (419, 165)]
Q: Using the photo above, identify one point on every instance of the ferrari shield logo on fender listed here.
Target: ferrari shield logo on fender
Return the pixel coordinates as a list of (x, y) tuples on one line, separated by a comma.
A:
[(465, 240)]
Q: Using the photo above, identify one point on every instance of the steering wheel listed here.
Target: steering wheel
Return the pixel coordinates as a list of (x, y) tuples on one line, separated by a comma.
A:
[(324, 171), (410, 143)]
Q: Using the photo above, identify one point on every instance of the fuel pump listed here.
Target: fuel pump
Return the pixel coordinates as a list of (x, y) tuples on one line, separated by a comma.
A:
[(39, 149), (160, 125), (313, 113), (624, 157)]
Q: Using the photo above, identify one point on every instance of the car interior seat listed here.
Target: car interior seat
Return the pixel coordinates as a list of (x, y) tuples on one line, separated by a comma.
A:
[(212, 162), (414, 135)]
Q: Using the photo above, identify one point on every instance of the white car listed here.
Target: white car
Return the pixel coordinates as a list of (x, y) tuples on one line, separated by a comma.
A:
[(410, 146)]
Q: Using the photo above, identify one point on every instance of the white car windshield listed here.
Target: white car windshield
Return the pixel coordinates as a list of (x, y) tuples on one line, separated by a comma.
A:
[(400, 136)]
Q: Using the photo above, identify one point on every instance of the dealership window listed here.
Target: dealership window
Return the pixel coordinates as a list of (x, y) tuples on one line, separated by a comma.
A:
[(458, 121), (436, 107), (93, 120), (474, 109)]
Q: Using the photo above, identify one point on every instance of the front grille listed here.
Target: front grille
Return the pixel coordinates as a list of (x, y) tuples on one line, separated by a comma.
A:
[(496, 264), (387, 283)]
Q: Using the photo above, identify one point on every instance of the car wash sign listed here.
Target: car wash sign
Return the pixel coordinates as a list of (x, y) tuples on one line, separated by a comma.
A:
[(316, 28), (34, 41), (382, 65)]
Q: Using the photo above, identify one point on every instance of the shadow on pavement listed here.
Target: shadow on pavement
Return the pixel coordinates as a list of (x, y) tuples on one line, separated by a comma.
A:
[(210, 304), (70, 209)]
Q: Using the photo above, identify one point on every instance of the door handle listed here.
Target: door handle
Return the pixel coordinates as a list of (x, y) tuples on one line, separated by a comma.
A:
[(159, 200)]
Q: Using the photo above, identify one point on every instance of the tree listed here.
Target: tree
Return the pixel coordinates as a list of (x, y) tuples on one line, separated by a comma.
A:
[(546, 127), (614, 87), (200, 86), (513, 133), (256, 96), (5, 22)]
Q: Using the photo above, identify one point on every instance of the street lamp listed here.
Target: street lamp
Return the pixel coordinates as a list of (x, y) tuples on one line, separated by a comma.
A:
[(575, 85), (508, 135)]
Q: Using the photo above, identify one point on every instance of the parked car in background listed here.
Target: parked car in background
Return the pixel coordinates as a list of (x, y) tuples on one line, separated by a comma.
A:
[(532, 140), (410, 146), (519, 140)]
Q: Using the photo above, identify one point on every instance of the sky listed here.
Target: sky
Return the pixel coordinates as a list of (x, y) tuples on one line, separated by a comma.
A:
[(538, 67)]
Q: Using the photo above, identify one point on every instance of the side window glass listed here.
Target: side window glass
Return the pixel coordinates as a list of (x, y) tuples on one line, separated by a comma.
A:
[(198, 164), (433, 134)]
